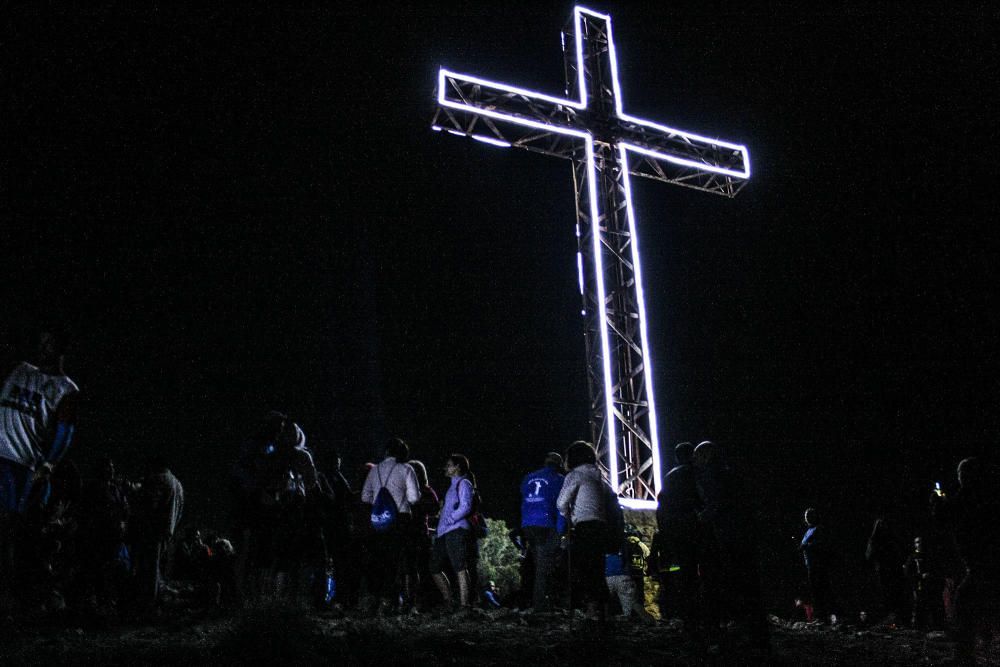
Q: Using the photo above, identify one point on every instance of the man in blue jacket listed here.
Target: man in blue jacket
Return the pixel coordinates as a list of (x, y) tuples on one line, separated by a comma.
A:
[(542, 525)]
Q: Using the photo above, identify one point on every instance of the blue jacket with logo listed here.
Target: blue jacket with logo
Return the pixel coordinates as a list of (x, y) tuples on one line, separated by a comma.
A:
[(539, 492)]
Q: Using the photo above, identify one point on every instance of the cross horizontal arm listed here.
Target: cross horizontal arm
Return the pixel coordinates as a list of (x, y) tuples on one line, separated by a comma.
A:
[(507, 134), (666, 167), (513, 116), (673, 156), (519, 118)]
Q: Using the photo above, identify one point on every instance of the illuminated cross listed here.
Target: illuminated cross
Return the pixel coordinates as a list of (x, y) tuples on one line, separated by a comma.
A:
[(605, 145)]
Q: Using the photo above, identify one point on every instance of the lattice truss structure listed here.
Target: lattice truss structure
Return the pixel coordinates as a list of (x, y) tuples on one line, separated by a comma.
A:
[(606, 146)]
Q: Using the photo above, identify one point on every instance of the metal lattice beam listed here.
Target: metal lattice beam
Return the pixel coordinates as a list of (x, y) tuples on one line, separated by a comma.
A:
[(606, 146)]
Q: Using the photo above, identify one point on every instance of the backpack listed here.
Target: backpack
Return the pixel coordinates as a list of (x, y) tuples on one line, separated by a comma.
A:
[(477, 522), (384, 509), (633, 550)]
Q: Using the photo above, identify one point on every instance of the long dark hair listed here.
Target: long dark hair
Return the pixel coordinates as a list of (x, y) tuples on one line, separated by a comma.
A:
[(461, 461), (397, 449)]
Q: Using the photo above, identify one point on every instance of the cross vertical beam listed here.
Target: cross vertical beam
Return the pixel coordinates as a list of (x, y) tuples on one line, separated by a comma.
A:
[(605, 146)]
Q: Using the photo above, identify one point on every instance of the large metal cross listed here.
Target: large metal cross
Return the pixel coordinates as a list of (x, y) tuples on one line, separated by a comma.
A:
[(606, 146)]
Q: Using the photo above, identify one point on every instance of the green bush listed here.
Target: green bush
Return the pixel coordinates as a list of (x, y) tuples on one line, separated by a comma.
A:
[(499, 559)]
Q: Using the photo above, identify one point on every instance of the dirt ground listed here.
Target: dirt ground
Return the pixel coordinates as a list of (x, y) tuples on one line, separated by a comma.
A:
[(281, 635)]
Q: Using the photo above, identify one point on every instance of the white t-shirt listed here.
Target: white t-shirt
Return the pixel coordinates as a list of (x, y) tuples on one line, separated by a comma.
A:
[(28, 402), (399, 478)]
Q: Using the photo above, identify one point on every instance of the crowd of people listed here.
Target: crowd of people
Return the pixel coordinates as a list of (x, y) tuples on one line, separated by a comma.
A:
[(948, 580), (388, 544), (60, 537), (706, 547)]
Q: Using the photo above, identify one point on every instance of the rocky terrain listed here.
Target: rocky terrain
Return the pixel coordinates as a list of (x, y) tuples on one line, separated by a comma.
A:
[(282, 635)]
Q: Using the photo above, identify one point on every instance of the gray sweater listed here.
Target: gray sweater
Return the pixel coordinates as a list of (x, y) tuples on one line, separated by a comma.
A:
[(582, 495)]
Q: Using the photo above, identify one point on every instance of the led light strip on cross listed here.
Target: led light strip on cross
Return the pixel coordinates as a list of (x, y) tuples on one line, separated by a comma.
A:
[(624, 147)]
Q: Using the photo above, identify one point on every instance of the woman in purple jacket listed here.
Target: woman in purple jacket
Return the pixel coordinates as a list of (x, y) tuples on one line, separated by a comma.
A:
[(454, 534)]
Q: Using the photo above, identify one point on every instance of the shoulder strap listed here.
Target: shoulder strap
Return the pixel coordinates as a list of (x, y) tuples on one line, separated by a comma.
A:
[(476, 500), (388, 476)]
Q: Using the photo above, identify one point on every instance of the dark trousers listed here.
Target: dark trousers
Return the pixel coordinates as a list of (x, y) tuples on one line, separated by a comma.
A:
[(890, 579), (146, 556), (587, 553), (8, 554), (693, 555), (15, 484), (543, 548), (388, 550), (977, 606), (687, 586), (821, 590), (928, 604)]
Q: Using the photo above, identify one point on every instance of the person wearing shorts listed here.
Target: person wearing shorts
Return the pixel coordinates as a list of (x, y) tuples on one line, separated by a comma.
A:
[(454, 532)]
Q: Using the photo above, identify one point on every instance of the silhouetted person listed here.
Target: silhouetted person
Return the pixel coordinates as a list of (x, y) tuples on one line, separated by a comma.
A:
[(724, 513), (337, 500), (542, 526), (252, 515), (299, 551), (454, 542), (926, 588), (342, 496), (388, 547), (277, 480), (972, 514), (417, 582), (38, 407), (158, 508), (583, 501), (105, 515), (817, 554), (221, 573), (680, 543), (358, 577), (884, 555)]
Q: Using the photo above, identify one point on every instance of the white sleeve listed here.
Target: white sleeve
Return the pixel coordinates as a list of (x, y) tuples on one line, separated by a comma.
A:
[(368, 490), (412, 488), (567, 495)]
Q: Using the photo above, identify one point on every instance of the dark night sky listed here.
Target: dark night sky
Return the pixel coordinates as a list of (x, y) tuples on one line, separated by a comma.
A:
[(238, 210)]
